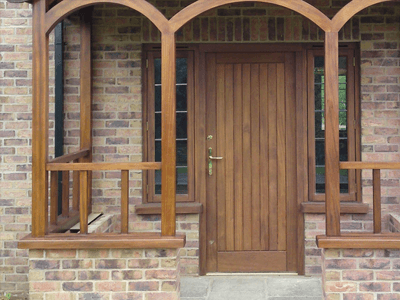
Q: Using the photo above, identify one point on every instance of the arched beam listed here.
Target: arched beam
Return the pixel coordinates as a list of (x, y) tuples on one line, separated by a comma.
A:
[(349, 10), (67, 7), (201, 6)]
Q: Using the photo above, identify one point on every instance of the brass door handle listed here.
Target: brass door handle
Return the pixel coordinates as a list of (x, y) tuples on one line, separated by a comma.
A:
[(210, 159)]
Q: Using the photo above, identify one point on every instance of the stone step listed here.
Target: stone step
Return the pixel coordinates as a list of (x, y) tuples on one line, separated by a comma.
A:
[(257, 287)]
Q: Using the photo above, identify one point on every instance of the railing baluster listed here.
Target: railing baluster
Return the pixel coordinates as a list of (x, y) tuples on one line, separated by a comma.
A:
[(83, 210), (124, 201), (53, 197), (75, 189), (376, 178), (65, 193)]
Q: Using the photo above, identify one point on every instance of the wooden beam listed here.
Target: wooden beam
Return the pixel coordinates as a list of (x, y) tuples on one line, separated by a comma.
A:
[(376, 182), (40, 120), (360, 241), (70, 156), (181, 208), (345, 208), (104, 166), (360, 165), (86, 93), (168, 134), (332, 178)]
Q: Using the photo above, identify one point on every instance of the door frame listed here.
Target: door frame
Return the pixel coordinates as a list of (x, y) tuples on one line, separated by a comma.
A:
[(201, 136)]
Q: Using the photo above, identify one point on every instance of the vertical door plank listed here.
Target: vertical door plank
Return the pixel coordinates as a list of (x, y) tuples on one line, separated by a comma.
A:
[(124, 201), (281, 128), (83, 212), (247, 226), (291, 166), (40, 119), (221, 164), (255, 156), (238, 154), (264, 156), (229, 177), (211, 191), (168, 134), (53, 197), (273, 174), (332, 182)]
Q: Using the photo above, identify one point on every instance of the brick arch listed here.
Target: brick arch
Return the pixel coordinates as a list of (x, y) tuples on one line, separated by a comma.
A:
[(67, 7), (349, 10), (201, 6)]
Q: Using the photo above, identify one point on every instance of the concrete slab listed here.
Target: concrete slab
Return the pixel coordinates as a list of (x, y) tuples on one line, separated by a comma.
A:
[(294, 287), (195, 286)]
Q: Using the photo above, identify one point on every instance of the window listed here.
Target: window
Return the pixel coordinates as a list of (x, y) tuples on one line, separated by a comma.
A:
[(349, 128), (184, 125)]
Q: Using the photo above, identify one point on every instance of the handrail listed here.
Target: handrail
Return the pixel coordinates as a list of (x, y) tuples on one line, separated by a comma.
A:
[(103, 166), (70, 156), (359, 165)]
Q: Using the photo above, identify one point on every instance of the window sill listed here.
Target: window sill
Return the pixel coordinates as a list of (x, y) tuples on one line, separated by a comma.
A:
[(103, 241), (345, 208), (360, 241), (181, 208)]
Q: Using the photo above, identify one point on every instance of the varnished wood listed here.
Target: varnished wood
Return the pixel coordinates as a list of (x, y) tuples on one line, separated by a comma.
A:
[(201, 6), (104, 166), (65, 194), (40, 120), (86, 93), (332, 184), (67, 7), (124, 201), (345, 208), (376, 183), (168, 134), (104, 241), (181, 208), (360, 241), (252, 261), (53, 198), (83, 208), (64, 223), (360, 165), (69, 157), (75, 190)]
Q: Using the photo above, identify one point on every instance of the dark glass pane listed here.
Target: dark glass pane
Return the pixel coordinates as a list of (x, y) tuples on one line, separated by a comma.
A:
[(158, 98), (181, 153), (181, 98), (343, 123), (319, 125), (157, 71), (319, 96), (181, 70), (319, 62), (318, 77), (182, 180), (342, 64), (181, 125), (344, 181), (320, 179), (319, 152), (157, 182), (343, 150), (157, 130), (158, 151)]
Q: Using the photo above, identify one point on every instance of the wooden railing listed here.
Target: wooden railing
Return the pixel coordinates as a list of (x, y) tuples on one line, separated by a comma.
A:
[(376, 239)]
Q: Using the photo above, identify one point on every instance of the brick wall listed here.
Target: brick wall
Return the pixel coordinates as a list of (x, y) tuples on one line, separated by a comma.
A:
[(117, 110), (118, 274), (363, 274)]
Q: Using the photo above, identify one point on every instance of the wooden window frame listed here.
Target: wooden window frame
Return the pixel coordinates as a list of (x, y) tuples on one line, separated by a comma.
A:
[(151, 52), (353, 121)]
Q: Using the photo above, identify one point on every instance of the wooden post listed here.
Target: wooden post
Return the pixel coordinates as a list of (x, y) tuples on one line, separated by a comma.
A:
[(53, 197), (124, 201), (168, 134), (83, 211), (75, 189), (65, 194), (40, 120), (86, 93), (332, 179), (376, 179)]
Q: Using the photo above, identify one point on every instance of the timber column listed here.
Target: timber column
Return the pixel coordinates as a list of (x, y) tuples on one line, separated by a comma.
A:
[(40, 119)]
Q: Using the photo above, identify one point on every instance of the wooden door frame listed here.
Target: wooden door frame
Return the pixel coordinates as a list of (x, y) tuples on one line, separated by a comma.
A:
[(201, 135)]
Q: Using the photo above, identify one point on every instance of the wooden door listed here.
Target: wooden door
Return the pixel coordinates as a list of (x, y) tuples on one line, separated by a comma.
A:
[(251, 193)]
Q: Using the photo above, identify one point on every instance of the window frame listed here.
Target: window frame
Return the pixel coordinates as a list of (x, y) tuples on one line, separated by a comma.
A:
[(353, 121), (150, 53)]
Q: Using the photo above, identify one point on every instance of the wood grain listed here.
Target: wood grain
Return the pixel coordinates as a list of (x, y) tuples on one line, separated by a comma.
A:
[(69, 157), (53, 198), (65, 193), (360, 165), (360, 241), (181, 208), (376, 183), (104, 166), (83, 209), (124, 201)]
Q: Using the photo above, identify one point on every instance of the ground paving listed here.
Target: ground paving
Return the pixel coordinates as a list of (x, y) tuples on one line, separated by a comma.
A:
[(258, 287)]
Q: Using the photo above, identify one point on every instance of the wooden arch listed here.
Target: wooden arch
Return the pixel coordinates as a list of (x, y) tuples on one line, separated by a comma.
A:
[(67, 7), (201, 6), (349, 10)]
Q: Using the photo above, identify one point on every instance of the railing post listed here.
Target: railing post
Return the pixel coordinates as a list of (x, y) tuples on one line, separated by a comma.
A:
[(332, 171), (75, 189), (168, 135), (53, 197), (376, 179), (65, 194), (40, 120), (124, 201), (83, 210)]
